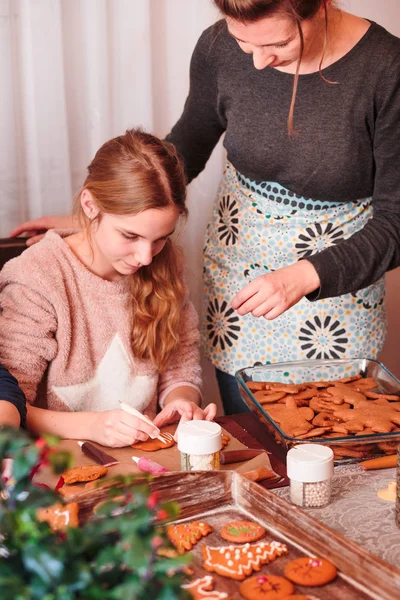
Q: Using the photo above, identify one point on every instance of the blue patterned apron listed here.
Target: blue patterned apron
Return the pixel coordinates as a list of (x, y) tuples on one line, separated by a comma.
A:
[(257, 228)]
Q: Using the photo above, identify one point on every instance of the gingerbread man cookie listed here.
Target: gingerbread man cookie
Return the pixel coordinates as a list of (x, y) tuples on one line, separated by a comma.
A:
[(311, 572), (379, 415), (58, 516), (204, 588), (291, 419), (266, 587), (238, 562), (185, 535)]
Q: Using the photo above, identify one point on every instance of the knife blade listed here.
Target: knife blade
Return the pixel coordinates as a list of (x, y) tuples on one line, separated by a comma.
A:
[(233, 456), (99, 456)]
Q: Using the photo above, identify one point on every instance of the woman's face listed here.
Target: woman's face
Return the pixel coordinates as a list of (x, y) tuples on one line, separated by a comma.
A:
[(274, 41), (123, 244)]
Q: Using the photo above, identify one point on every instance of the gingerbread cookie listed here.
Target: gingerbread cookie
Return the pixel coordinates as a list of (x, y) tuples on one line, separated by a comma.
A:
[(259, 474), (58, 516), (266, 587), (242, 531), (268, 396), (85, 473), (225, 440), (300, 597), (185, 535), (291, 419), (156, 444), (311, 572), (238, 562), (379, 415), (204, 588)]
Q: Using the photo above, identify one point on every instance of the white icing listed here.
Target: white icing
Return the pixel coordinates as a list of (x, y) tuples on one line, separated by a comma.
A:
[(261, 554)]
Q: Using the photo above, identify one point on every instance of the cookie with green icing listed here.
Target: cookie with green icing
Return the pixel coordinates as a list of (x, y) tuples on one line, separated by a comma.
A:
[(242, 532)]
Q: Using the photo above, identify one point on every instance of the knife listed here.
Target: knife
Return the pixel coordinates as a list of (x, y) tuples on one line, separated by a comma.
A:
[(233, 456), (102, 458)]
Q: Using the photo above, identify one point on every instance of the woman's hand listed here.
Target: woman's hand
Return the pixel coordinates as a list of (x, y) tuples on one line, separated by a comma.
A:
[(183, 410), (117, 428), (37, 228), (272, 294)]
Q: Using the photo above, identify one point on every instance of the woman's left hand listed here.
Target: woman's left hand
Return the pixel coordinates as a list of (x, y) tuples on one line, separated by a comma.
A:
[(272, 294), (184, 410)]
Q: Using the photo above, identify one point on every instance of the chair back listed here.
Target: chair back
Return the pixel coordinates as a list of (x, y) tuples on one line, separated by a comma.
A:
[(9, 248)]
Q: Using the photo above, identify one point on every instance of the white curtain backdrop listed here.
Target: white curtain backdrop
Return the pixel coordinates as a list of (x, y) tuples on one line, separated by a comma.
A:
[(74, 73)]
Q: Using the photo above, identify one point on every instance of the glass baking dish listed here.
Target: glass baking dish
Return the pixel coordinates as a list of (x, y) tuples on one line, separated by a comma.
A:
[(349, 447)]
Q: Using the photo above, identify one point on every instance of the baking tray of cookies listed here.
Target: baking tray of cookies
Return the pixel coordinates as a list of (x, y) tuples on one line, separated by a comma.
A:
[(352, 405), (216, 499)]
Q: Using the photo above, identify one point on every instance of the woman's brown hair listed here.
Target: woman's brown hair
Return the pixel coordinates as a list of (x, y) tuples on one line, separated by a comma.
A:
[(250, 11), (129, 174)]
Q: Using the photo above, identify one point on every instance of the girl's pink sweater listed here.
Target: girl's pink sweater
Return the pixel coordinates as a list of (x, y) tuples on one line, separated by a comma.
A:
[(65, 335)]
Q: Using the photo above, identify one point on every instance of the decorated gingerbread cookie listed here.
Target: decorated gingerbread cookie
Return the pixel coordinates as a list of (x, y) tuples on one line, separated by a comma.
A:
[(310, 571), (156, 444), (242, 532), (58, 516), (185, 535), (204, 588), (85, 473), (266, 587), (238, 562)]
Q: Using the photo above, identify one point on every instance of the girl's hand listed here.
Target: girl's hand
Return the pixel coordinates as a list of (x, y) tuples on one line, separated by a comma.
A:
[(182, 411), (272, 294), (117, 428), (37, 228)]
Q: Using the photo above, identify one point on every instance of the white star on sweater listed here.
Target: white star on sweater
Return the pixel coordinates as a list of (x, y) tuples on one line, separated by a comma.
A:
[(111, 383)]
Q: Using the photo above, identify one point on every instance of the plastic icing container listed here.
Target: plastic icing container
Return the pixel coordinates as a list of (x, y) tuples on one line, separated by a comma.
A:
[(310, 470), (199, 443)]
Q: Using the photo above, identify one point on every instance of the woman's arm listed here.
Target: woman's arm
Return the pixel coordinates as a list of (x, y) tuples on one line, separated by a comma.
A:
[(202, 122), (9, 414), (367, 255), (13, 401), (37, 228)]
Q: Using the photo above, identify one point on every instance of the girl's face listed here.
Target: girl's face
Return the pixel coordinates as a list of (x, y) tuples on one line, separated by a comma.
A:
[(274, 41), (123, 244)]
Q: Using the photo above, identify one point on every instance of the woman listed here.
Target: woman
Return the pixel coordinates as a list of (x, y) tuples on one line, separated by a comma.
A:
[(307, 219), (100, 316)]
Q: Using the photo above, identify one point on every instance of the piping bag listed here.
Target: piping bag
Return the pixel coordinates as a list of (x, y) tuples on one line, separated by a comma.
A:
[(99, 456), (149, 466)]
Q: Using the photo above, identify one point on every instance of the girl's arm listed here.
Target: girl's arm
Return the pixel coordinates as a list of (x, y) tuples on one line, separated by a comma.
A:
[(183, 404), (113, 428)]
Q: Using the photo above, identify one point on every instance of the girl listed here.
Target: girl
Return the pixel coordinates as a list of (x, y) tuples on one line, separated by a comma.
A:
[(101, 315)]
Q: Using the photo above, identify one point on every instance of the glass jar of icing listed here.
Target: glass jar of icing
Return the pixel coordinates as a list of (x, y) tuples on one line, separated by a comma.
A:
[(310, 470), (199, 443)]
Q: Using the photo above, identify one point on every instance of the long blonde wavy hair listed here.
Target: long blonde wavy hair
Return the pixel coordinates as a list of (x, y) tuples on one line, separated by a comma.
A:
[(250, 11), (129, 174)]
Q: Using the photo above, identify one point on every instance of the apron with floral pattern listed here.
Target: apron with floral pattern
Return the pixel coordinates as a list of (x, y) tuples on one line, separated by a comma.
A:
[(257, 228)]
